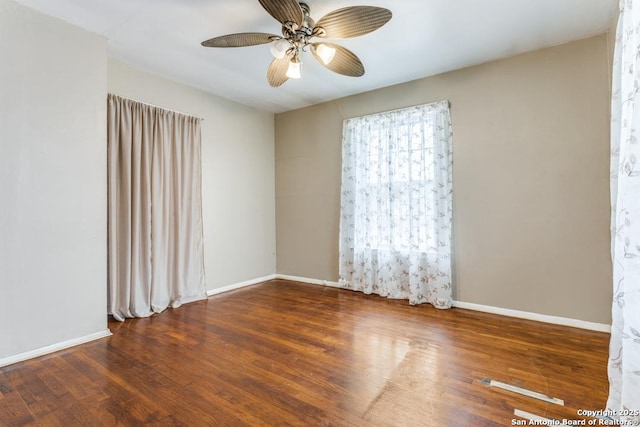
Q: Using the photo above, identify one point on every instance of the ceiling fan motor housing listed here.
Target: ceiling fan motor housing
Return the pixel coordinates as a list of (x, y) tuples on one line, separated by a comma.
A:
[(306, 30)]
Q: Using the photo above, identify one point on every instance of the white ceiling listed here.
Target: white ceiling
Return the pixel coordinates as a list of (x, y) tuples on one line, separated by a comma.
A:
[(424, 38)]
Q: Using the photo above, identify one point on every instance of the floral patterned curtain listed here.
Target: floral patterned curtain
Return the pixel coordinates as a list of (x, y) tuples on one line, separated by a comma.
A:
[(624, 359), (395, 223)]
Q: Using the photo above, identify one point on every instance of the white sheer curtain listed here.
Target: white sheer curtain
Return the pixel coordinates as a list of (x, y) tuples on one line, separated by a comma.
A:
[(155, 239), (395, 223), (624, 359)]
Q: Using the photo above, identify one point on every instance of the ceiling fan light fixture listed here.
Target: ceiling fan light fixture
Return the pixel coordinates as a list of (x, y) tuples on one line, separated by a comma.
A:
[(298, 33), (294, 70), (279, 48), (325, 53)]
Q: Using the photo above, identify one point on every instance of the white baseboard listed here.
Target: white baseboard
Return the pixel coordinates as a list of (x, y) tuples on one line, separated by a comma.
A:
[(307, 280), (564, 321), (240, 285), (42, 351)]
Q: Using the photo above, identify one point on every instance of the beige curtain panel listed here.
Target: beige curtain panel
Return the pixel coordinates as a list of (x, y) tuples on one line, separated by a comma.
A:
[(155, 238)]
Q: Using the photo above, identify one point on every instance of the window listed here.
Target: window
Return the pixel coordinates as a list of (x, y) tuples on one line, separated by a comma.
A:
[(396, 194), (401, 167)]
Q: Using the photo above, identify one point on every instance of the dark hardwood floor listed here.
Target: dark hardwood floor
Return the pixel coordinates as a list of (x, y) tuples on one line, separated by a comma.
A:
[(285, 353)]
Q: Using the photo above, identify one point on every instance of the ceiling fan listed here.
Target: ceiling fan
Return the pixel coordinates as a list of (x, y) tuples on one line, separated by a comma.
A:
[(298, 30)]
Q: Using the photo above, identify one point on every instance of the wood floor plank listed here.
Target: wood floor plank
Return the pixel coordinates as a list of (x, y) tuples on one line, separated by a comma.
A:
[(291, 354)]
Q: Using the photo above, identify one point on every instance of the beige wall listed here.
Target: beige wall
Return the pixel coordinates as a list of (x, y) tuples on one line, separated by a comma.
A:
[(53, 85), (611, 42), (531, 192), (237, 174)]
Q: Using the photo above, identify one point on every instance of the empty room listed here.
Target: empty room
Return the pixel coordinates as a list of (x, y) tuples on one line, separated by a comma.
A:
[(329, 213)]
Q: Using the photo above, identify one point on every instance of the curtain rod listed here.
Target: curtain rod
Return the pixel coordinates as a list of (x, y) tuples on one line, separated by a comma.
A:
[(158, 106), (395, 109)]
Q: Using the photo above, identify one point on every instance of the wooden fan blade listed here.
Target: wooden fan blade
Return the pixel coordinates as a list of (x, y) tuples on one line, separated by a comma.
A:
[(240, 40), (353, 21), (344, 61), (284, 10), (277, 71)]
